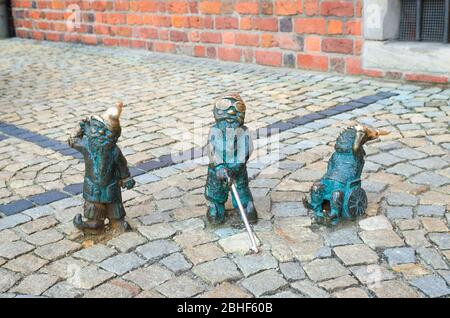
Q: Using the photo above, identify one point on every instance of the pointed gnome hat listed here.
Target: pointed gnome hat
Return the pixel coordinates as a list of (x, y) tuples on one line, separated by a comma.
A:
[(111, 118)]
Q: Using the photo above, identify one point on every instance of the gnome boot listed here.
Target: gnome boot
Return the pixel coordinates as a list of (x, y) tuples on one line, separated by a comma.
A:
[(94, 226), (120, 225), (250, 210), (216, 213), (336, 204), (317, 198)]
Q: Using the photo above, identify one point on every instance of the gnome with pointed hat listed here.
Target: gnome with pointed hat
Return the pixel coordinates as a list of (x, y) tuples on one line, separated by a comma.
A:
[(106, 171)]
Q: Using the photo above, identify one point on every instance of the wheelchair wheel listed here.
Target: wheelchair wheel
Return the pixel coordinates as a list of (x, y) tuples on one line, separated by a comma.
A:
[(357, 202)]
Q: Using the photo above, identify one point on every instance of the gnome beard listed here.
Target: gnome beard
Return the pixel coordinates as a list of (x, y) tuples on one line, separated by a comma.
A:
[(106, 171), (100, 138)]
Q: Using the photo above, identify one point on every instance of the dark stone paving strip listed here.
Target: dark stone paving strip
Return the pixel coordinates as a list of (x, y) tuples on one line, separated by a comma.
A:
[(16, 207), (342, 108), (165, 160), (3, 137), (47, 197), (38, 139), (74, 189)]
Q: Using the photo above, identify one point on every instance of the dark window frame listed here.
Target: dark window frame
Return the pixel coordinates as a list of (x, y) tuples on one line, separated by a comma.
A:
[(412, 28), (9, 17)]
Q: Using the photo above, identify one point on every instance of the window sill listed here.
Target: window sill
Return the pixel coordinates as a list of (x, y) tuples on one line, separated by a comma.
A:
[(413, 57)]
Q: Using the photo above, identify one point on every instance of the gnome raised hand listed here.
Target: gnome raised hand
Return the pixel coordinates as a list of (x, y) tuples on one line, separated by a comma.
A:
[(229, 148), (106, 171)]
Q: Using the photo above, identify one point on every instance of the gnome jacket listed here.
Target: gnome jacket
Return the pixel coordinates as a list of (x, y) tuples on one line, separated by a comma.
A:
[(229, 148), (104, 169)]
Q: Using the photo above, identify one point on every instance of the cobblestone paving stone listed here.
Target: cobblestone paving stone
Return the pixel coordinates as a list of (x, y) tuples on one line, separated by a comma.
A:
[(401, 248)]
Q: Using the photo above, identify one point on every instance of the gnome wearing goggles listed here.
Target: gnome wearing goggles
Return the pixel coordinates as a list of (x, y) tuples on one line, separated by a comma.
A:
[(229, 148), (106, 171)]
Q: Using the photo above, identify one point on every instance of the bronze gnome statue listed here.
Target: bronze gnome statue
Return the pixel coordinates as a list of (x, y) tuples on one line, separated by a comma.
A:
[(106, 171), (339, 195), (229, 148)]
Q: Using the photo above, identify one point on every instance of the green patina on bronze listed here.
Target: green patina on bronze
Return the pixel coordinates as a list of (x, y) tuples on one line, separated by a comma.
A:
[(339, 194), (229, 148), (106, 171)]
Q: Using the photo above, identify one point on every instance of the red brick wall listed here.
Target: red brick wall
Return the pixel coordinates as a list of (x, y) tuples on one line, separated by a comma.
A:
[(322, 35)]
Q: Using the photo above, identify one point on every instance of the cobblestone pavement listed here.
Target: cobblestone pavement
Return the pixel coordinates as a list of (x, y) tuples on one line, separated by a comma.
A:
[(401, 248)]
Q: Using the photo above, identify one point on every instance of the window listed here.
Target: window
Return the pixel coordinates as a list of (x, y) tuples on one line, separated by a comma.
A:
[(425, 20)]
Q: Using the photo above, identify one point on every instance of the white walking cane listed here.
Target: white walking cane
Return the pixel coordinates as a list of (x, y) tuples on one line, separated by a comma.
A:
[(251, 235)]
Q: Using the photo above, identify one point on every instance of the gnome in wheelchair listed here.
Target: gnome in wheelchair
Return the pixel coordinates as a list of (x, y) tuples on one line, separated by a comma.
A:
[(106, 171), (339, 194)]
